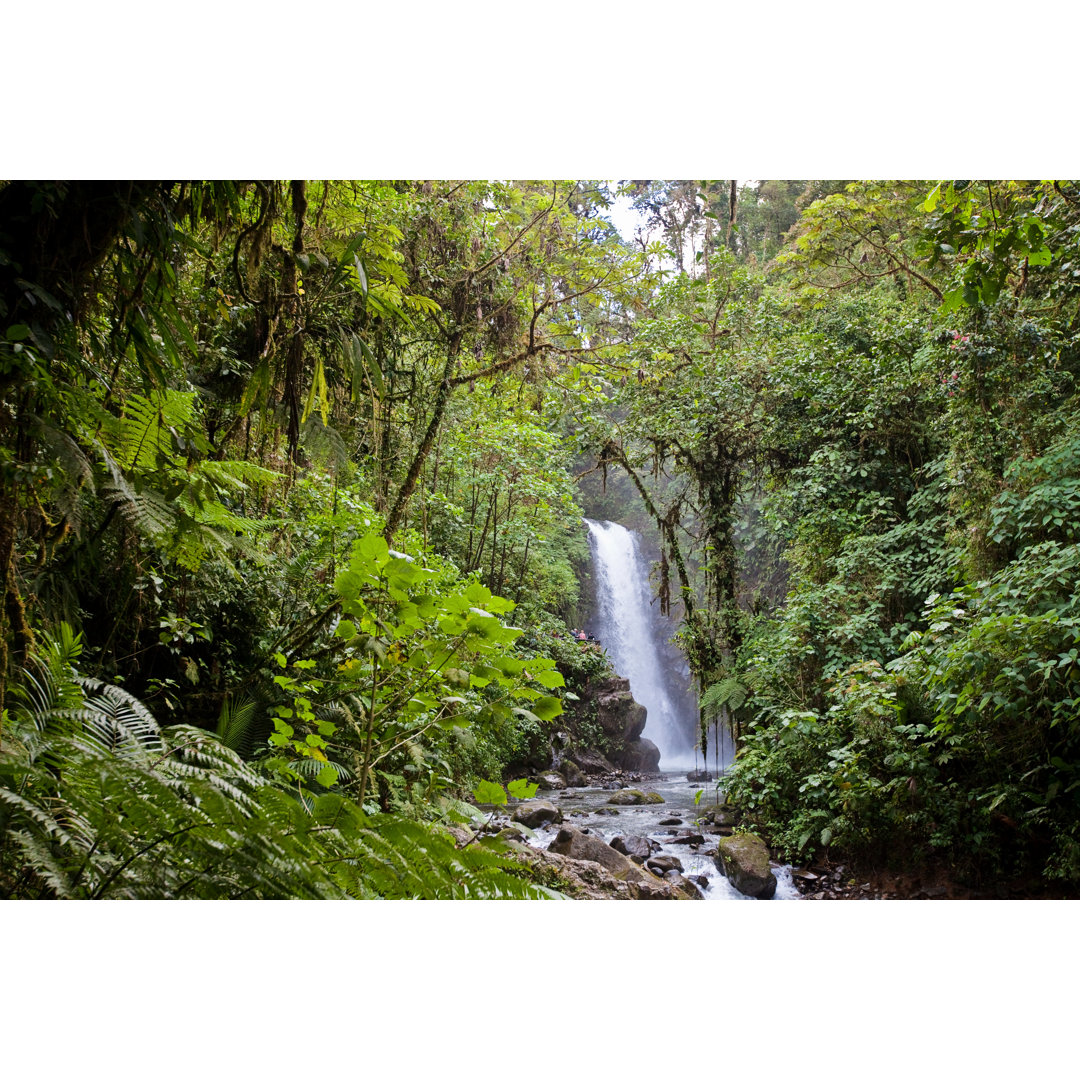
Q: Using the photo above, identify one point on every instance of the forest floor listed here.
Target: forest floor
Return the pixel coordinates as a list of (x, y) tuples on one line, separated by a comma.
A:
[(851, 881)]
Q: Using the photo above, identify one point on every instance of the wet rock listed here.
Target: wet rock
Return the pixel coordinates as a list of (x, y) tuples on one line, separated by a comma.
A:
[(550, 781), (718, 815), (619, 715), (688, 838), (635, 848), (700, 880), (572, 774), (663, 863), (640, 755), (590, 761), (699, 776), (652, 890), (671, 821), (744, 858), (577, 844), (684, 885), (535, 812), (634, 797)]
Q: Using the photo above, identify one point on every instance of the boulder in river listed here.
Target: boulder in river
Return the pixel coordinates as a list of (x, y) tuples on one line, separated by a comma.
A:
[(635, 797), (576, 844), (699, 776), (635, 848), (640, 755), (671, 821), (550, 781), (535, 812), (745, 859), (620, 716), (718, 815), (574, 776), (688, 838), (590, 761), (663, 863)]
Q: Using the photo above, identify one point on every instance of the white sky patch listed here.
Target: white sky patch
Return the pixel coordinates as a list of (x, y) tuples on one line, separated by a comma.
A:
[(628, 220)]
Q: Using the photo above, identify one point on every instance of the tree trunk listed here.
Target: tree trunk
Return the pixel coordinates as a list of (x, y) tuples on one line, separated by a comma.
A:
[(441, 398)]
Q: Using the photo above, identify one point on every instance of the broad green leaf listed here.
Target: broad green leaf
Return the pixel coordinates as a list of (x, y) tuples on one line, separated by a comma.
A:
[(550, 679), (372, 549), (490, 794), (547, 708)]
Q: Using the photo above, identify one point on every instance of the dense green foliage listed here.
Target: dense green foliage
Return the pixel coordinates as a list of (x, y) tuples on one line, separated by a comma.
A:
[(281, 461), (273, 451), (870, 461)]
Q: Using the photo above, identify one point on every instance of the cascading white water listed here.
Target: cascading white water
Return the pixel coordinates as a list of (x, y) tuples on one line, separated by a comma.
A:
[(634, 635)]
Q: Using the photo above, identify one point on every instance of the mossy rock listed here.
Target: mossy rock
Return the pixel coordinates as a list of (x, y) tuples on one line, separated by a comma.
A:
[(634, 797), (744, 858)]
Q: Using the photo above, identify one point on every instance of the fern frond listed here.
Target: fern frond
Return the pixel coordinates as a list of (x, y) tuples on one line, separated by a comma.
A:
[(119, 721), (309, 768), (236, 725), (148, 427), (729, 692), (237, 475)]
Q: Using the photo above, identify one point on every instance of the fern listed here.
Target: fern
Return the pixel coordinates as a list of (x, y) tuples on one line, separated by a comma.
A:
[(236, 725), (729, 692), (75, 469), (97, 802), (118, 722), (156, 477), (150, 429)]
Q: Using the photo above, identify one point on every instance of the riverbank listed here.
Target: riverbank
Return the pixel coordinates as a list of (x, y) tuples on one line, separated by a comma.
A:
[(673, 843), (849, 881)]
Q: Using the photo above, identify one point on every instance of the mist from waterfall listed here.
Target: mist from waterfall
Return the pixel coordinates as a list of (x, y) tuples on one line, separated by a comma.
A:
[(629, 626)]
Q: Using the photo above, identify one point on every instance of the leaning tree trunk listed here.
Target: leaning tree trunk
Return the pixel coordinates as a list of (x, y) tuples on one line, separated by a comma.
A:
[(441, 398)]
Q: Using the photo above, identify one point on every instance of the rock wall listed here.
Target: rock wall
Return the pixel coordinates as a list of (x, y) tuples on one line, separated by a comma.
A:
[(601, 733)]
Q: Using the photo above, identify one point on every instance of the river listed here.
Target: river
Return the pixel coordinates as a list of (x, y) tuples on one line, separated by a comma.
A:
[(580, 808), (636, 637)]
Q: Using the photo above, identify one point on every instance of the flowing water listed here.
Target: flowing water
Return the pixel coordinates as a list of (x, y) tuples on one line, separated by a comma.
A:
[(637, 639), (580, 805)]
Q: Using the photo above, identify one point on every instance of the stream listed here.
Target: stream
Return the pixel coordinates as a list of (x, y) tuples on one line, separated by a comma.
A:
[(587, 808), (637, 638)]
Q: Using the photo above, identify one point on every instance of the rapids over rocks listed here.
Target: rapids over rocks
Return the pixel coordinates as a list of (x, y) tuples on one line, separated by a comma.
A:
[(667, 833), (693, 845)]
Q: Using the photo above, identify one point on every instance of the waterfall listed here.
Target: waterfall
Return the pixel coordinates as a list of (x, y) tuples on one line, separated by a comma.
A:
[(635, 635)]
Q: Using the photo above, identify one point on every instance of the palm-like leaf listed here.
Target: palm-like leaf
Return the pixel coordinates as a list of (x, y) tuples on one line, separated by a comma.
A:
[(103, 804)]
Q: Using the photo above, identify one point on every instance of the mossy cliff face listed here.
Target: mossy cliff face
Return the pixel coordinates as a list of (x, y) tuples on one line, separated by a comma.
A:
[(603, 729)]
